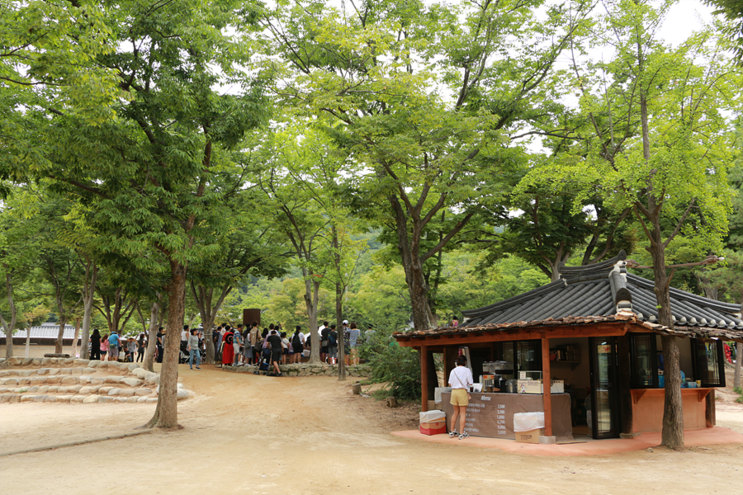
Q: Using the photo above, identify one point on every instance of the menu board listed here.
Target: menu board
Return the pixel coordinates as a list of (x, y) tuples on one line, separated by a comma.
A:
[(491, 415)]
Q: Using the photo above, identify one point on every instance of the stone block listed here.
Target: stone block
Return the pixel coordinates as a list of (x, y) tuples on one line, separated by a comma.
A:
[(50, 398), (140, 373), (64, 398), (42, 371), (182, 394), (125, 392), (15, 398), (44, 389), (54, 379), (131, 382), (54, 371), (36, 362), (113, 379), (90, 399), (34, 388), (25, 373), (10, 381), (103, 398), (85, 390), (5, 397), (79, 398), (68, 362), (46, 361), (132, 399), (114, 391), (81, 362), (24, 381), (98, 380), (28, 398), (74, 388), (86, 378), (94, 364), (53, 388), (94, 389), (70, 380), (142, 399), (121, 399), (143, 391), (104, 390), (150, 400)]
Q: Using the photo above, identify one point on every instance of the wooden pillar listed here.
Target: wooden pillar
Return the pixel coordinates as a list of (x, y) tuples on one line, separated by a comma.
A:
[(424, 378), (710, 414), (546, 384), (625, 386)]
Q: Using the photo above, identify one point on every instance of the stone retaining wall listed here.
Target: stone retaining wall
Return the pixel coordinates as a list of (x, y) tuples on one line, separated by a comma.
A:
[(306, 369), (78, 380)]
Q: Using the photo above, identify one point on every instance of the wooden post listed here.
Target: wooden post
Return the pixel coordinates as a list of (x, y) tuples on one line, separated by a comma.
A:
[(449, 358), (433, 377), (424, 378), (625, 386), (710, 414), (546, 384)]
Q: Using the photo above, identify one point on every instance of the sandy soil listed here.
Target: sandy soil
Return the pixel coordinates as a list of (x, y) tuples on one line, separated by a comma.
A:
[(244, 434)]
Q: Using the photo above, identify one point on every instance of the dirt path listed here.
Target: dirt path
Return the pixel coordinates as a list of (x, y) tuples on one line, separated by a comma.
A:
[(245, 434)]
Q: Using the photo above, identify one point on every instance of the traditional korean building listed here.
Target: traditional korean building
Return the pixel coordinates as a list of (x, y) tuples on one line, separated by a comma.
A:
[(595, 329)]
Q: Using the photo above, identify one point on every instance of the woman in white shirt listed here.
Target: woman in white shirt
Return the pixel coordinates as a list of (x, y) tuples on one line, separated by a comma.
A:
[(460, 380)]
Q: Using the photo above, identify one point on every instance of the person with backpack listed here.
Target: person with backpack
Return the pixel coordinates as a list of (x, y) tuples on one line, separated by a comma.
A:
[(286, 348), (333, 344), (324, 343), (297, 344), (274, 344), (254, 341), (113, 346)]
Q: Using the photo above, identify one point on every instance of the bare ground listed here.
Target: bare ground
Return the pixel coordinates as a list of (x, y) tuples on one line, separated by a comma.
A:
[(244, 434)]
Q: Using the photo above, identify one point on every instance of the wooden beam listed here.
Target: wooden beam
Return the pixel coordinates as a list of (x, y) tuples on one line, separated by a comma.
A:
[(625, 386), (424, 378), (604, 330), (546, 387)]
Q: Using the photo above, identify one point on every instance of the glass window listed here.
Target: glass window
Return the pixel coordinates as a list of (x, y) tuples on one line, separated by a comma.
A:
[(529, 356), (708, 362), (643, 360)]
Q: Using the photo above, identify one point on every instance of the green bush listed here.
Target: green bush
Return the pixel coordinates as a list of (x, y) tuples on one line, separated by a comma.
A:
[(397, 366)]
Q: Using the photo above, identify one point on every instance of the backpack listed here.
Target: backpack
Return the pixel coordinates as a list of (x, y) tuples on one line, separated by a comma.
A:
[(296, 342), (332, 340)]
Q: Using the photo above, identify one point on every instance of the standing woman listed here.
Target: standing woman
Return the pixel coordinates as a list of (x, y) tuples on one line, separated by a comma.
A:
[(95, 346), (141, 347), (228, 349), (460, 380), (297, 345)]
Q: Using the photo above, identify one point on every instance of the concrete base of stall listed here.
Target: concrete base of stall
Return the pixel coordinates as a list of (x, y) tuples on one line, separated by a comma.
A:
[(692, 438)]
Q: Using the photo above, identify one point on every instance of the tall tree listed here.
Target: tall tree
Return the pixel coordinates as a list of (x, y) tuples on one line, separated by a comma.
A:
[(158, 174), (669, 169), (422, 96)]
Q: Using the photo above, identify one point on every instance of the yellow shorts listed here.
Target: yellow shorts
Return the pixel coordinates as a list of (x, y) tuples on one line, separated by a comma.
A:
[(459, 397)]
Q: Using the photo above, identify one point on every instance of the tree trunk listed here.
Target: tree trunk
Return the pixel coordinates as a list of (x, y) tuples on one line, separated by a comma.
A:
[(738, 359), (149, 355), (166, 413), (673, 412), (60, 336), (341, 332), (74, 340), (311, 298), (91, 271), (10, 327)]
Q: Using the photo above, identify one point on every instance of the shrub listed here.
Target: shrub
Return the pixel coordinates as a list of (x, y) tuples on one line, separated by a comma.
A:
[(397, 366)]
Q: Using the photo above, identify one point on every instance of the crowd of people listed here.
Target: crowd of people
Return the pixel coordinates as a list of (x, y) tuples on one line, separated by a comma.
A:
[(114, 347), (241, 345), (272, 346)]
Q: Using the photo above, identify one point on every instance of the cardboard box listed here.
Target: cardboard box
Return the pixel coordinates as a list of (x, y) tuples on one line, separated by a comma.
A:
[(529, 436)]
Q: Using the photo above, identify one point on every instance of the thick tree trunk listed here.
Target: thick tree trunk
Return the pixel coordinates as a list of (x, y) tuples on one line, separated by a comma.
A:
[(166, 413), (673, 413), (738, 359), (9, 327), (149, 355), (91, 275)]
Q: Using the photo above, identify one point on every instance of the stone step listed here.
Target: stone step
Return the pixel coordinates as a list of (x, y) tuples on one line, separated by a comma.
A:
[(78, 389), (123, 381), (85, 399)]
